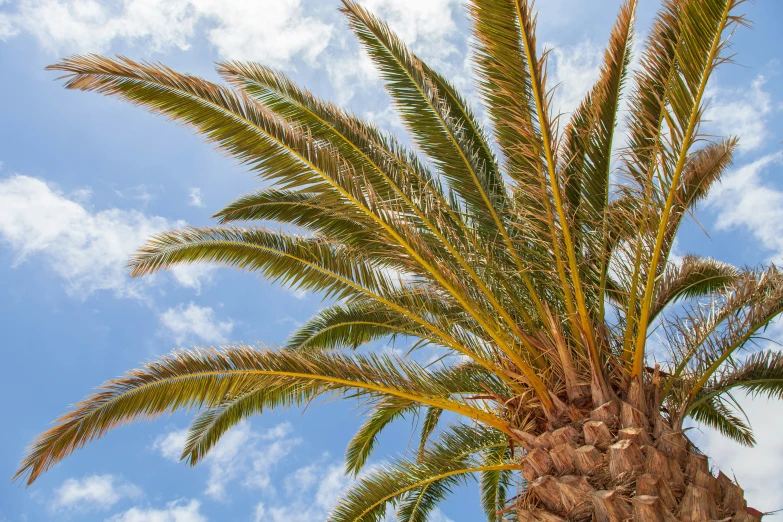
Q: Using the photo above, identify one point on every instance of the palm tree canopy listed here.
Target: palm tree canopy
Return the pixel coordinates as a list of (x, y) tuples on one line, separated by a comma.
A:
[(537, 259)]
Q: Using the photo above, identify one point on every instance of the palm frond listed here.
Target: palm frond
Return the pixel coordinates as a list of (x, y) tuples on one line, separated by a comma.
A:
[(707, 337), (416, 486), (254, 135), (429, 425), (205, 378), (693, 277), (716, 414), (352, 326), (495, 483), (586, 156), (393, 171), (698, 51), (211, 424), (448, 133), (760, 373), (365, 439), (251, 134), (303, 263), (436, 117), (703, 170)]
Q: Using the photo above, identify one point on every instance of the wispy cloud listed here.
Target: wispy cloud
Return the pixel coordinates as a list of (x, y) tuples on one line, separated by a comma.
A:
[(194, 197), (196, 323), (92, 493), (742, 112), (746, 201), (242, 455), (320, 483), (88, 249), (575, 70), (177, 511), (159, 25)]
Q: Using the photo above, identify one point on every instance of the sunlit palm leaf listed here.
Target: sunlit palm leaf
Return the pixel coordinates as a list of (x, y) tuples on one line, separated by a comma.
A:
[(205, 378), (417, 486)]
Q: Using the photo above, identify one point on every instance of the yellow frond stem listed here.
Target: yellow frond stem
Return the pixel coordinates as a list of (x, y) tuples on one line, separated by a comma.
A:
[(638, 362), (543, 119)]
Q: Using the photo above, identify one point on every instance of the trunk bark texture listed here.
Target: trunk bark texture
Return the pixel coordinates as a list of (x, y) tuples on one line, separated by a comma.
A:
[(617, 465)]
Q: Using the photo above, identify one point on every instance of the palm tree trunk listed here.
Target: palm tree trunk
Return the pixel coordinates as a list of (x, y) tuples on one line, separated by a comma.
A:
[(619, 464)]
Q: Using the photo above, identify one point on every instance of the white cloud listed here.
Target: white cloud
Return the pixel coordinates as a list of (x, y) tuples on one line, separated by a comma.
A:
[(741, 112), (280, 431), (259, 512), (92, 26), (94, 492), (195, 322), (320, 484), (263, 462), (171, 444), (7, 28), (270, 31), (439, 516), (333, 483), (252, 458), (86, 248), (192, 276), (242, 455), (177, 511), (575, 70), (194, 197), (298, 294), (744, 201), (233, 28), (302, 479), (312, 492), (427, 26), (350, 71), (239, 454)]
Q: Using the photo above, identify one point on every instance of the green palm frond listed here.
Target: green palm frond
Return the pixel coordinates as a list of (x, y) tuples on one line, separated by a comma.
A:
[(705, 339), (760, 373), (205, 378), (586, 153), (364, 441), (445, 129), (416, 486), (716, 414), (352, 326), (703, 170), (393, 171), (211, 424), (429, 425), (697, 52), (495, 483), (504, 86), (320, 213), (251, 134), (298, 262), (279, 151), (694, 277), (391, 409), (436, 117)]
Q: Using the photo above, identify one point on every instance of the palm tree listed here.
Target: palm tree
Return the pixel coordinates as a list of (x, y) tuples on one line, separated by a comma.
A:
[(536, 263)]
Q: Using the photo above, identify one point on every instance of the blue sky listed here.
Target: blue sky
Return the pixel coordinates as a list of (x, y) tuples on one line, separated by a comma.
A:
[(84, 180)]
